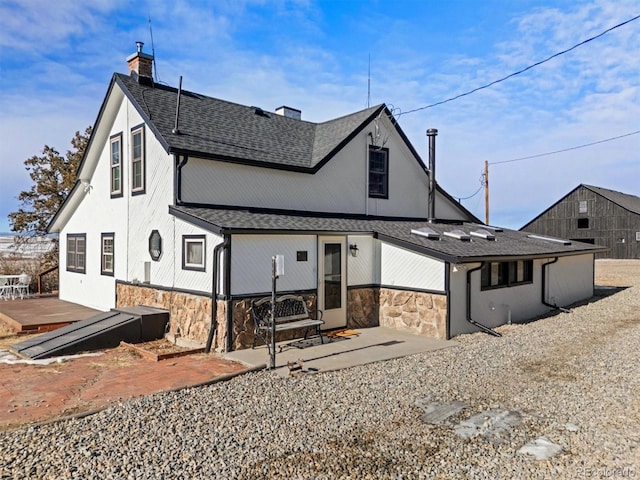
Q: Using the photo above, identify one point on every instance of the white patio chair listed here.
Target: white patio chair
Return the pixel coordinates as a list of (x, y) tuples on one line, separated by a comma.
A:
[(6, 289), (22, 287)]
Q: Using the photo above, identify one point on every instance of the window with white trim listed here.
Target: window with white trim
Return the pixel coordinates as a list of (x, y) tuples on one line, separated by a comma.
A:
[(116, 165), (76, 252), (107, 253), (193, 252), (137, 160)]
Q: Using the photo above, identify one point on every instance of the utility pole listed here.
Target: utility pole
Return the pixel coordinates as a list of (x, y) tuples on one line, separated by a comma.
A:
[(486, 192)]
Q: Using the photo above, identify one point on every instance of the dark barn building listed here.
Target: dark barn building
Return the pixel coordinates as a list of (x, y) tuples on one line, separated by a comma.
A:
[(594, 215)]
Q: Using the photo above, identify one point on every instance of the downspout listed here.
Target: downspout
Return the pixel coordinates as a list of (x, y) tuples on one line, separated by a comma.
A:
[(214, 292), (544, 287), (229, 309), (181, 163), (447, 287), (484, 328)]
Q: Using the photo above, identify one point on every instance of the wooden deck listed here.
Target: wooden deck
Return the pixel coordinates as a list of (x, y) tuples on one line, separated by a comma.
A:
[(41, 314)]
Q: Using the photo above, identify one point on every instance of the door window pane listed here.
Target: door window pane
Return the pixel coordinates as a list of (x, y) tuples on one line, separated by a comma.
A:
[(332, 276)]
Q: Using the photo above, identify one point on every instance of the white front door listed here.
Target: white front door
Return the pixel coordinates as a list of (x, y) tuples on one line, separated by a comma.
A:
[(332, 281)]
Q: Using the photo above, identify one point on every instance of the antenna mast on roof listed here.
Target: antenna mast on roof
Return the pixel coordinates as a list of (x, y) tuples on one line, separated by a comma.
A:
[(153, 51), (369, 84)]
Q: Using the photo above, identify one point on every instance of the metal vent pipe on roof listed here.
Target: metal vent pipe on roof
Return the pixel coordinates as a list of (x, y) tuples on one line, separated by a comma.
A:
[(431, 133)]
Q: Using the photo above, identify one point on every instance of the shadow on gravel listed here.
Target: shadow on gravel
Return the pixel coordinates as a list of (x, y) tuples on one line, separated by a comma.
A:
[(599, 293)]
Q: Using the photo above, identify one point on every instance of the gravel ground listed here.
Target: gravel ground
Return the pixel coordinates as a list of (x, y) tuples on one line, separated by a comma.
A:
[(571, 378)]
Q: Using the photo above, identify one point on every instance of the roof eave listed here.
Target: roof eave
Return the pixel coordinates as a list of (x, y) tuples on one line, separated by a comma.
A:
[(145, 117)]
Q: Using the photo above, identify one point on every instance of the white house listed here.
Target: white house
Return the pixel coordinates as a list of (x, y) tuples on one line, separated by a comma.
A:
[(181, 201)]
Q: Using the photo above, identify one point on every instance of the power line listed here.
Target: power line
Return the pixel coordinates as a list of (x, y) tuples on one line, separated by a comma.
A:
[(565, 149), (523, 70), (476, 192)]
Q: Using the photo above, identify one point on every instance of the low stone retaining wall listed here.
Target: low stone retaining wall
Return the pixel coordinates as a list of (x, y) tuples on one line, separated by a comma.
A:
[(414, 312), (363, 309), (189, 314)]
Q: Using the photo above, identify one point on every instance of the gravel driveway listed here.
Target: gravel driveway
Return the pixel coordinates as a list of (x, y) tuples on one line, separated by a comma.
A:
[(570, 380)]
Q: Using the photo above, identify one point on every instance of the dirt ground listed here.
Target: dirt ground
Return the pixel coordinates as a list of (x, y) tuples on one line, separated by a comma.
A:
[(616, 273)]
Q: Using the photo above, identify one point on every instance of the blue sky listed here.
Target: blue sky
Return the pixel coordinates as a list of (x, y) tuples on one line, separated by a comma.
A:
[(57, 58)]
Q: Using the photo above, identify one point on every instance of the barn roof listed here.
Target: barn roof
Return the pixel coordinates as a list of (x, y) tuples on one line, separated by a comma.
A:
[(624, 200)]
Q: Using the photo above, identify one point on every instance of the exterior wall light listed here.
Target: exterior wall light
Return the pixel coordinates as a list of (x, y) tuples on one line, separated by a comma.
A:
[(353, 248), (155, 245)]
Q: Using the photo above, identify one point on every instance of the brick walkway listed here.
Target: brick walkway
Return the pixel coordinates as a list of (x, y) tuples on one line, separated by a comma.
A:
[(36, 393)]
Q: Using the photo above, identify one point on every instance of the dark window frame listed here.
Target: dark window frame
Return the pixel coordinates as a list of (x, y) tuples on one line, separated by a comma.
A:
[(186, 239), (73, 266), (382, 173), (103, 269), (115, 193), (506, 274), (142, 188)]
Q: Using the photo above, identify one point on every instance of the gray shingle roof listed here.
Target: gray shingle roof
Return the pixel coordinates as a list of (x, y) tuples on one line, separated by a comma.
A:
[(215, 128), (629, 202), (508, 243)]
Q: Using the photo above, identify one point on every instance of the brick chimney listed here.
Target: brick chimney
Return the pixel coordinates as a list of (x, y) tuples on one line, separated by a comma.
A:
[(141, 65)]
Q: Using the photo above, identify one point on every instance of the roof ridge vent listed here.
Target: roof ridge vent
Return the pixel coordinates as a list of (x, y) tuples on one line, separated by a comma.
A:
[(260, 112), (459, 234), (483, 234), (426, 232)]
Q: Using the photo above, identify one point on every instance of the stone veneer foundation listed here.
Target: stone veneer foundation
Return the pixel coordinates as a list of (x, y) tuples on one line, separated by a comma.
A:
[(243, 326), (415, 312), (189, 314)]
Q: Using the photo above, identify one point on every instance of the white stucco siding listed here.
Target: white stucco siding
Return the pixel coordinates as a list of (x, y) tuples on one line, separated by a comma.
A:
[(568, 281), (406, 269), (193, 280), (98, 213), (339, 186), (447, 210), (408, 181), (365, 268), (251, 263), (150, 210)]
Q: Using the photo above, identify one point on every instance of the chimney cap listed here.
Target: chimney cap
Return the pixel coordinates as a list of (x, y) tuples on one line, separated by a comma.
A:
[(139, 53), (432, 132), (289, 112)]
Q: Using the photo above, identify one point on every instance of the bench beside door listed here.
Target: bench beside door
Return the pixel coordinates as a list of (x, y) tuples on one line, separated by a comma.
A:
[(332, 281)]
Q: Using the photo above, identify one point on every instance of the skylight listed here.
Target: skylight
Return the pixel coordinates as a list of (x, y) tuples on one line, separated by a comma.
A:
[(484, 234), (550, 239), (427, 232), (495, 229), (459, 234)]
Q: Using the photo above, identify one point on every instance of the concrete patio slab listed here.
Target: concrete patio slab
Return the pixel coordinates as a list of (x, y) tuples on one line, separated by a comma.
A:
[(370, 345)]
